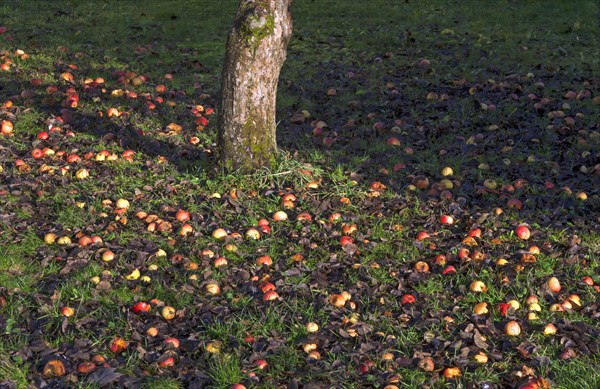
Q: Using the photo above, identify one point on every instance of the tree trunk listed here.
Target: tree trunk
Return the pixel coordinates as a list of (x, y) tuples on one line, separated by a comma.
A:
[(256, 50)]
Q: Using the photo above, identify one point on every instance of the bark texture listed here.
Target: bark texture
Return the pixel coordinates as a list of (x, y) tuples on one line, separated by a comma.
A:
[(256, 49)]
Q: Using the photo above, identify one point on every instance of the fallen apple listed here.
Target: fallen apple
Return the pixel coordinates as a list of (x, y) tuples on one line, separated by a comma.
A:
[(252, 234), (86, 367), (481, 308), (408, 299), (172, 342), (280, 216), (522, 232), (426, 364), (108, 256), (422, 235), (312, 327), (67, 311), (118, 345), (270, 295), (512, 328), (219, 262), (140, 306), (54, 368), (266, 286), (50, 238), (550, 329), (446, 219), (553, 284), (213, 347), (452, 372), (478, 287), (212, 288), (167, 362), (82, 174), (346, 240), (264, 260), (168, 312), (6, 127), (481, 357), (182, 215), (219, 234), (186, 230), (337, 300)]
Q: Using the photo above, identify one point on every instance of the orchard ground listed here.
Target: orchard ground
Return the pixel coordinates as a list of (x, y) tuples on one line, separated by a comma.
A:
[(376, 100)]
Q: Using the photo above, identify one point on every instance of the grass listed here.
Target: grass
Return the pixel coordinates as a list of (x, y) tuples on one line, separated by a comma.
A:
[(369, 52)]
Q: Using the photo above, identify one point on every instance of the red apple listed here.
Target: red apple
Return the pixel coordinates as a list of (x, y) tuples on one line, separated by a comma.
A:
[(72, 158), (170, 341), (522, 232), (328, 141), (37, 153), (220, 261), (449, 270), (261, 364), (264, 260), (422, 235), (85, 241), (182, 215), (463, 253), (393, 141), (345, 240), (67, 311), (267, 286), (446, 219), (553, 284), (118, 345), (140, 306), (365, 366), (424, 63), (270, 295), (475, 233), (86, 367), (170, 361)]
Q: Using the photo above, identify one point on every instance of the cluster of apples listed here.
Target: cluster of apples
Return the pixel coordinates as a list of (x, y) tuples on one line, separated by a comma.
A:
[(7, 58)]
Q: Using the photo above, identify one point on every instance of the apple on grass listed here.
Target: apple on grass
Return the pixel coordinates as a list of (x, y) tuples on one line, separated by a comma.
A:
[(168, 312), (140, 306), (118, 345), (522, 232)]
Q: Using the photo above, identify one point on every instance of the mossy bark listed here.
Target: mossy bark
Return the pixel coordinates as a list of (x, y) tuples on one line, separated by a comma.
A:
[(256, 49)]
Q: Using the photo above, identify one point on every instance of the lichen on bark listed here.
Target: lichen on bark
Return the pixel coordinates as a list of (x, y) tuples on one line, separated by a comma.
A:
[(256, 28)]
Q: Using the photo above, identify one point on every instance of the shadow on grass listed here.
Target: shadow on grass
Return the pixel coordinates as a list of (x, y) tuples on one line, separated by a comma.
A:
[(376, 82)]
